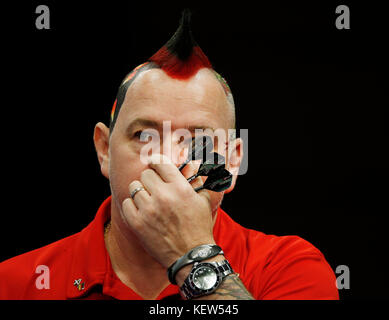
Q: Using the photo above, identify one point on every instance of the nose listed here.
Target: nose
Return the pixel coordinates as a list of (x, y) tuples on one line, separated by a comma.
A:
[(176, 152)]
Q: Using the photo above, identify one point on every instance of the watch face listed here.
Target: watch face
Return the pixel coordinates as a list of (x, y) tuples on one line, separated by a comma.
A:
[(204, 278)]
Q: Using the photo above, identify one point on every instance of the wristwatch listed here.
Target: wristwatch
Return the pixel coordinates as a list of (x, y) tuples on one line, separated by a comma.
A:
[(205, 278), (197, 254)]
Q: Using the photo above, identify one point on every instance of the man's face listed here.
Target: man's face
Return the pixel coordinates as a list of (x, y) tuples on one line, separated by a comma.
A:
[(153, 98)]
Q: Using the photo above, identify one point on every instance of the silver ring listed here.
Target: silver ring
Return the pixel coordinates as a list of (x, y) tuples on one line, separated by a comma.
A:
[(133, 193)]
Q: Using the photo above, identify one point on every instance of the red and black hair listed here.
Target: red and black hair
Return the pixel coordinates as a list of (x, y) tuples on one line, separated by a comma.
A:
[(181, 58)]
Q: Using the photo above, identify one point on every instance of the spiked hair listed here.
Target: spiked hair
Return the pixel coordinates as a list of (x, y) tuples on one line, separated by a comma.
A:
[(180, 58)]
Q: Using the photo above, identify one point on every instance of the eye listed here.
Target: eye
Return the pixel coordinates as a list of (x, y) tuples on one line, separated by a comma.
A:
[(144, 136), (185, 141)]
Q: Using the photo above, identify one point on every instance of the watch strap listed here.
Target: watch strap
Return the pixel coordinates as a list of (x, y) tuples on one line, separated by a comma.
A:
[(205, 251)]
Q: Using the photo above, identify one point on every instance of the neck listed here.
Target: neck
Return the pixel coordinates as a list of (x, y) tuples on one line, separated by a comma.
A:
[(130, 262)]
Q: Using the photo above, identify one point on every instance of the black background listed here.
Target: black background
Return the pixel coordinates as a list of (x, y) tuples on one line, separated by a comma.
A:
[(311, 95)]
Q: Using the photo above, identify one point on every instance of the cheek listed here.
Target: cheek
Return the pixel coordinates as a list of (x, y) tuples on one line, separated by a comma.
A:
[(124, 167)]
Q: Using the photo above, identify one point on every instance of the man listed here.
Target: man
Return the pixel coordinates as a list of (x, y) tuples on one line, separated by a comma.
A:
[(156, 237)]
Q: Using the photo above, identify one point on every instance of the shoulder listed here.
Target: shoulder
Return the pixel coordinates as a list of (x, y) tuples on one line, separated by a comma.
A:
[(19, 273), (257, 245), (257, 250), (295, 269), (278, 267)]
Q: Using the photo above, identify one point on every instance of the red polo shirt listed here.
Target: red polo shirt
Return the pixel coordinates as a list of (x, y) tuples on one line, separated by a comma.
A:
[(79, 267)]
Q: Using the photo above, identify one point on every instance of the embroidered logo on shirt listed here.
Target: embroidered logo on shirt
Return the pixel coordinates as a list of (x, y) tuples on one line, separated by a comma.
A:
[(80, 285)]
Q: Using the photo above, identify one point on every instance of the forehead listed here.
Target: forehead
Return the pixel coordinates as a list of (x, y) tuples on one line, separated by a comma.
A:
[(198, 101)]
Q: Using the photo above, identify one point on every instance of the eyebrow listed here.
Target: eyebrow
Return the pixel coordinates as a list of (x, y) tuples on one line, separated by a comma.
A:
[(140, 122)]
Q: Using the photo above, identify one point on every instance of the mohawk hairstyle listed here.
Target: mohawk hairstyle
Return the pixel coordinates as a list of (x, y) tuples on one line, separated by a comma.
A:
[(180, 58)]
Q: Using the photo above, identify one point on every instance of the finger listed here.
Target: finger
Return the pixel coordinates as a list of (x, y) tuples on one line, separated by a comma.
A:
[(198, 182), (142, 196), (152, 181), (193, 168), (203, 192), (165, 168), (131, 213)]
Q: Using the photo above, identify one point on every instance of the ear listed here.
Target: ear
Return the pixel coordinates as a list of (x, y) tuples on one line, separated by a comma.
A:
[(101, 140), (235, 156)]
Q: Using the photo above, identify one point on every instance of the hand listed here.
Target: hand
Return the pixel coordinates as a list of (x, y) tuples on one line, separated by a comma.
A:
[(168, 217)]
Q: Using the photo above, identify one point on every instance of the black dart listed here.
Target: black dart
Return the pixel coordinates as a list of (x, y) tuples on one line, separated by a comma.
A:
[(200, 146), (217, 182), (210, 167)]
